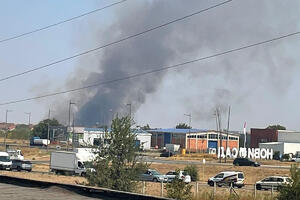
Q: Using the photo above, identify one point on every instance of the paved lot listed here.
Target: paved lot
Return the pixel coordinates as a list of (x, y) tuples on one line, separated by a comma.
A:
[(13, 192)]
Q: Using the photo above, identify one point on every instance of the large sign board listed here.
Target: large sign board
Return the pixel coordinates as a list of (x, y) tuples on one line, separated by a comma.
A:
[(252, 153)]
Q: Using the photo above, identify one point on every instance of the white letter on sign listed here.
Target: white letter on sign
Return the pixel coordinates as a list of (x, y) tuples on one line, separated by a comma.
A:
[(257, 153), (270, 154), (263, 153), (234, 152)]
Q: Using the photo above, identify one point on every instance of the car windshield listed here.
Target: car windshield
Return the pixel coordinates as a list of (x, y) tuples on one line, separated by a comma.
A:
[(4, 158), (240, 175), (155, 172)]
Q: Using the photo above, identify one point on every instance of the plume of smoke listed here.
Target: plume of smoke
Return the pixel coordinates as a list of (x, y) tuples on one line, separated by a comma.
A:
[(238, 23)]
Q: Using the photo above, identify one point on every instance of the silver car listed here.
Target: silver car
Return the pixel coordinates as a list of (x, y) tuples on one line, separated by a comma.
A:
[(272, 181), (153, 175)]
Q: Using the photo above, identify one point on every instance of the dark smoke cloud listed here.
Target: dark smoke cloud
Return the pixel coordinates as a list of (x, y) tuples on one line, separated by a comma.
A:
[(237, 75)]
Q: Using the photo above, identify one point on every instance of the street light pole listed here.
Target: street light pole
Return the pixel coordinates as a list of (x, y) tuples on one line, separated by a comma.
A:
[(129, 104), (6, 129), (69, 125), (29, 116), (190, 121), (48, 132)]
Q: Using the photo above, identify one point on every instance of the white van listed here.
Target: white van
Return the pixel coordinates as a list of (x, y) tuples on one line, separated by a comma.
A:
[(5, 162), (224, 178)]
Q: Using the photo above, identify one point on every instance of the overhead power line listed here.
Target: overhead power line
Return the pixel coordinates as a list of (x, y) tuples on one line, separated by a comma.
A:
[(113, 43), (61, 22), (159, 69)]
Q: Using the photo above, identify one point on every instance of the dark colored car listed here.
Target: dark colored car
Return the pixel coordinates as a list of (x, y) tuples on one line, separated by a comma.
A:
[(166, 154), (245, 162), (21, 165)]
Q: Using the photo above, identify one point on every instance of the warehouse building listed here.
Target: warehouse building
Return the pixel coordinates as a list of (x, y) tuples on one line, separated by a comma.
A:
[(93, 137), (194, 140), (283, 141)]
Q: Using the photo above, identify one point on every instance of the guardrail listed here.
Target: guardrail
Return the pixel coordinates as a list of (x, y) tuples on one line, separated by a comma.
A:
[(94, 192)]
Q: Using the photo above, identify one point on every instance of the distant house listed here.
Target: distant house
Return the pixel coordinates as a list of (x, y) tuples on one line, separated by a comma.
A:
[(7, 126)]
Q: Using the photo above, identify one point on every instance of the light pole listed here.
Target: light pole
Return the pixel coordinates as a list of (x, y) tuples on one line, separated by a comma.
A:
[(190, 121), (29, 116), (129, 104), (7, 111), (48, 131), (69, 125)]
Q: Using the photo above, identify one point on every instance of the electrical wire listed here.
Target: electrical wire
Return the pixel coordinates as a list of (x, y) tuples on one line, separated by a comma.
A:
[(61, 22), (160, 69), (113, 43)]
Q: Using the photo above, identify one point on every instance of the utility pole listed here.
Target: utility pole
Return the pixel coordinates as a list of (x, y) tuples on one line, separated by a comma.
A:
[(29, 116), (190, 121), (129, 104), (73, 135), (48, 131), (69, 125), (6, 129), (227, 132), (220, 131)]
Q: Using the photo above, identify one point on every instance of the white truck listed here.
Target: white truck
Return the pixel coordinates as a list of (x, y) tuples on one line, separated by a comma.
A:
[(5, 162), (65, 162), (15, 154)]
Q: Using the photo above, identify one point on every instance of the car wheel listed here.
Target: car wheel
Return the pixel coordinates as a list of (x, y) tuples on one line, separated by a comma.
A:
[(29, 170), (19, 168), (258, 187), (155, 180), (210, 183)]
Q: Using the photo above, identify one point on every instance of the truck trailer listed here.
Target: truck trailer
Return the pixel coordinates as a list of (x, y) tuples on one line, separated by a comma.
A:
[(64, 162)]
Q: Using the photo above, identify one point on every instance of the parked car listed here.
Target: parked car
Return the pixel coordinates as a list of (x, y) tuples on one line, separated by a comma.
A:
[(21, 165), (5, 162), (245, 162), (153, 175), (272, 181), (182, 175), (166, 154), (226, 178)]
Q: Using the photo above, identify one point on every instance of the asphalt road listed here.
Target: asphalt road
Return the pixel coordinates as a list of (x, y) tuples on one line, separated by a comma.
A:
[(184, 162), (14, 192)]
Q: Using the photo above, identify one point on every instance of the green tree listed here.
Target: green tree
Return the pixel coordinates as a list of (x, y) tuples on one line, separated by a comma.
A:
[(192, 171), (116, 165), (183, 126), (291, 191), (276, 127), (178, 189), (21, 131), (146, 127), (41, 129)]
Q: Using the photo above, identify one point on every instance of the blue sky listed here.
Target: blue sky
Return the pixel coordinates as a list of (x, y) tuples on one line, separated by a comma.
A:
[(261, 84), (41, 48)]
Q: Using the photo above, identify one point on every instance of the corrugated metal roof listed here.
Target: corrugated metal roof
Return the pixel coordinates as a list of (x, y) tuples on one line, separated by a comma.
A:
[(177, 130)]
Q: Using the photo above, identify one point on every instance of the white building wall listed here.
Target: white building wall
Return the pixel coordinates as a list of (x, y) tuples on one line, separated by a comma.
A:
[(288, 136), (291, 148), (282, 147), (145, 140), (88, 137), (276, 146)]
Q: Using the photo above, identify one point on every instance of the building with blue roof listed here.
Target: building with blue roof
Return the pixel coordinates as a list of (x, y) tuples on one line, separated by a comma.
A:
[(193, 140)]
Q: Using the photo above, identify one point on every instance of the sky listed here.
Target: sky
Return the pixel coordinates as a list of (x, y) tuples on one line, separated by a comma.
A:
[(260, 84)]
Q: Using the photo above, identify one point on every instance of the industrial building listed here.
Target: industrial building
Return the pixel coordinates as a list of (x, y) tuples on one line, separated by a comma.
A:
[(283, 141), (92, 136), (194, 140)]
